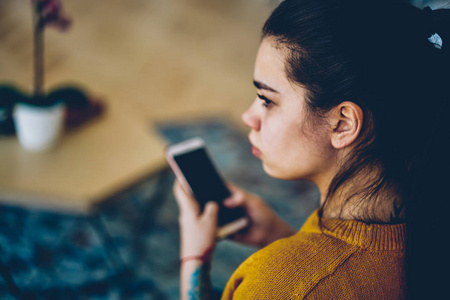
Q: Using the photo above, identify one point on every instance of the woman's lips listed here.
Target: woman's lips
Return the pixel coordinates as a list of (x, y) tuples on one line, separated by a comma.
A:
[(256, 152)]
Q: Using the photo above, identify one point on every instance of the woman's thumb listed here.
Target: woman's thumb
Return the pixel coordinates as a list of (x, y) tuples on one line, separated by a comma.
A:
[(211, 209)]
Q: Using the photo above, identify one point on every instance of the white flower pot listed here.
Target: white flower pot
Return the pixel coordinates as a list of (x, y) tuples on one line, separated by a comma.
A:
[(39, 128)]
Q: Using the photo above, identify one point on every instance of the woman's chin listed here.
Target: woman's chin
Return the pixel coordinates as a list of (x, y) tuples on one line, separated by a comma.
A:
[(275, 173), (283, 174)]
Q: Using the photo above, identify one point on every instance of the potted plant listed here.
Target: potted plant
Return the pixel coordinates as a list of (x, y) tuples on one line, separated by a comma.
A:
[(39, 119)]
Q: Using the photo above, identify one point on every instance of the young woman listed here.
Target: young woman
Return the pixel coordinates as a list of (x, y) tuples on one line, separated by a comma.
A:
[(352, 96)]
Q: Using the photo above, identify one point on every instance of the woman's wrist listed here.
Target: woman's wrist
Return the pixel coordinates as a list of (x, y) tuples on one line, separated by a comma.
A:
[(195, 280), (205, 257)]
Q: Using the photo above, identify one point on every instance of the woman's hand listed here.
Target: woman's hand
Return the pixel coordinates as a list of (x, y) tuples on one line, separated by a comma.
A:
[(198, 239), (266, 226), (198, 230)]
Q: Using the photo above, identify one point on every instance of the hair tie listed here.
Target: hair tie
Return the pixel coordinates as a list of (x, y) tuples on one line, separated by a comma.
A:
[(429, 24)]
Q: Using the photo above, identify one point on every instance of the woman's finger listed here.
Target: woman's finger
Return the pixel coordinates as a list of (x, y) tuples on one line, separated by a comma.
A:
[(186, 203), (236, 199), (211, 210)]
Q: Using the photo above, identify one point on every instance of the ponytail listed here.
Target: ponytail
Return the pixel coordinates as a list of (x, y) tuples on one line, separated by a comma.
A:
[(428, 209)]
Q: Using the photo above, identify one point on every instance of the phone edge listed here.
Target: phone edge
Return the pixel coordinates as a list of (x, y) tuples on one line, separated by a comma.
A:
[(232, 227)]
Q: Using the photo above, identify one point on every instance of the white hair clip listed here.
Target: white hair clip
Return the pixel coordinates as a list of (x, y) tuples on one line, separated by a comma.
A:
[(436, 40)]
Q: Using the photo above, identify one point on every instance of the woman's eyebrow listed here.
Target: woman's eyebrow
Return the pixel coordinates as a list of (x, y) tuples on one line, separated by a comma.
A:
[(262, 86)]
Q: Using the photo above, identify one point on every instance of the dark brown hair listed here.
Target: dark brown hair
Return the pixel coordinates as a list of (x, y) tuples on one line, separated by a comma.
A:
[(376, 54)]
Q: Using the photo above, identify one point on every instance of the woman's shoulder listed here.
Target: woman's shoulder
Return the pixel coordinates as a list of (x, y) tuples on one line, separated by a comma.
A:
[(299, 265), (303, 251), (290, 266)]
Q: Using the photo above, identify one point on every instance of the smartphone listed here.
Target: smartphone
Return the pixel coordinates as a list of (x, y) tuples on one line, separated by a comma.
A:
[(198, 175)]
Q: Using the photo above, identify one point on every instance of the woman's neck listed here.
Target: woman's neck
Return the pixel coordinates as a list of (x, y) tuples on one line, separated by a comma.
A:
[(354, 200)]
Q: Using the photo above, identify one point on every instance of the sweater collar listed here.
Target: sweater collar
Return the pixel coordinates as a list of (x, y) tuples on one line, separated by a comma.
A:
[(364, 235)]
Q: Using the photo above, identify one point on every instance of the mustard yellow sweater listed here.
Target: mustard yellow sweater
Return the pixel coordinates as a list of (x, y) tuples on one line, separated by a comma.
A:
[(345, 260)]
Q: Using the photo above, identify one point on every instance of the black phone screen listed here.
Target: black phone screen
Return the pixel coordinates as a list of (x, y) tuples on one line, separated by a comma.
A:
[(206, 184)]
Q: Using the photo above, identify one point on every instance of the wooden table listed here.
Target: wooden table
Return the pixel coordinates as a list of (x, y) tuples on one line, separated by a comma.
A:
[(90, 164)]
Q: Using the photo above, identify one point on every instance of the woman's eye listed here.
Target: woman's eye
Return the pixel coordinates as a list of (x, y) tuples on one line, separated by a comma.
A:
[(266, 102)]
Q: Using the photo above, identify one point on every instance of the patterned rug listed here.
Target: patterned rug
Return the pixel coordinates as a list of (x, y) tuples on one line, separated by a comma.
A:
[(129, 248)]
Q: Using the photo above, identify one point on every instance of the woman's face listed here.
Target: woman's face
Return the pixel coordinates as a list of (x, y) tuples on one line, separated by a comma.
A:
[(288, 147)]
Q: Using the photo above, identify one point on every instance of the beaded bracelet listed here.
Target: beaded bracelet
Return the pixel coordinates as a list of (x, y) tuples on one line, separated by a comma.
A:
[(203, 258)]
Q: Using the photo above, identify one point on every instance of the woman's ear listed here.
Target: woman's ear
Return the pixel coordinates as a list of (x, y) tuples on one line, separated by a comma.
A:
[(346, 120)]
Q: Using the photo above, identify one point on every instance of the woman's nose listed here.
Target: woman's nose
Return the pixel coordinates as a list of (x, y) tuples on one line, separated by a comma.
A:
[(251, 118)]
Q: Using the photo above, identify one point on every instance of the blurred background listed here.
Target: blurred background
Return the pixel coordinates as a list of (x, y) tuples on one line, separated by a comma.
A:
[(151, 58), (94, 217)]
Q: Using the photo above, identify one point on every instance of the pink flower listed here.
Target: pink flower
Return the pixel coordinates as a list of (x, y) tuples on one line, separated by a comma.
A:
[(51, 14)]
